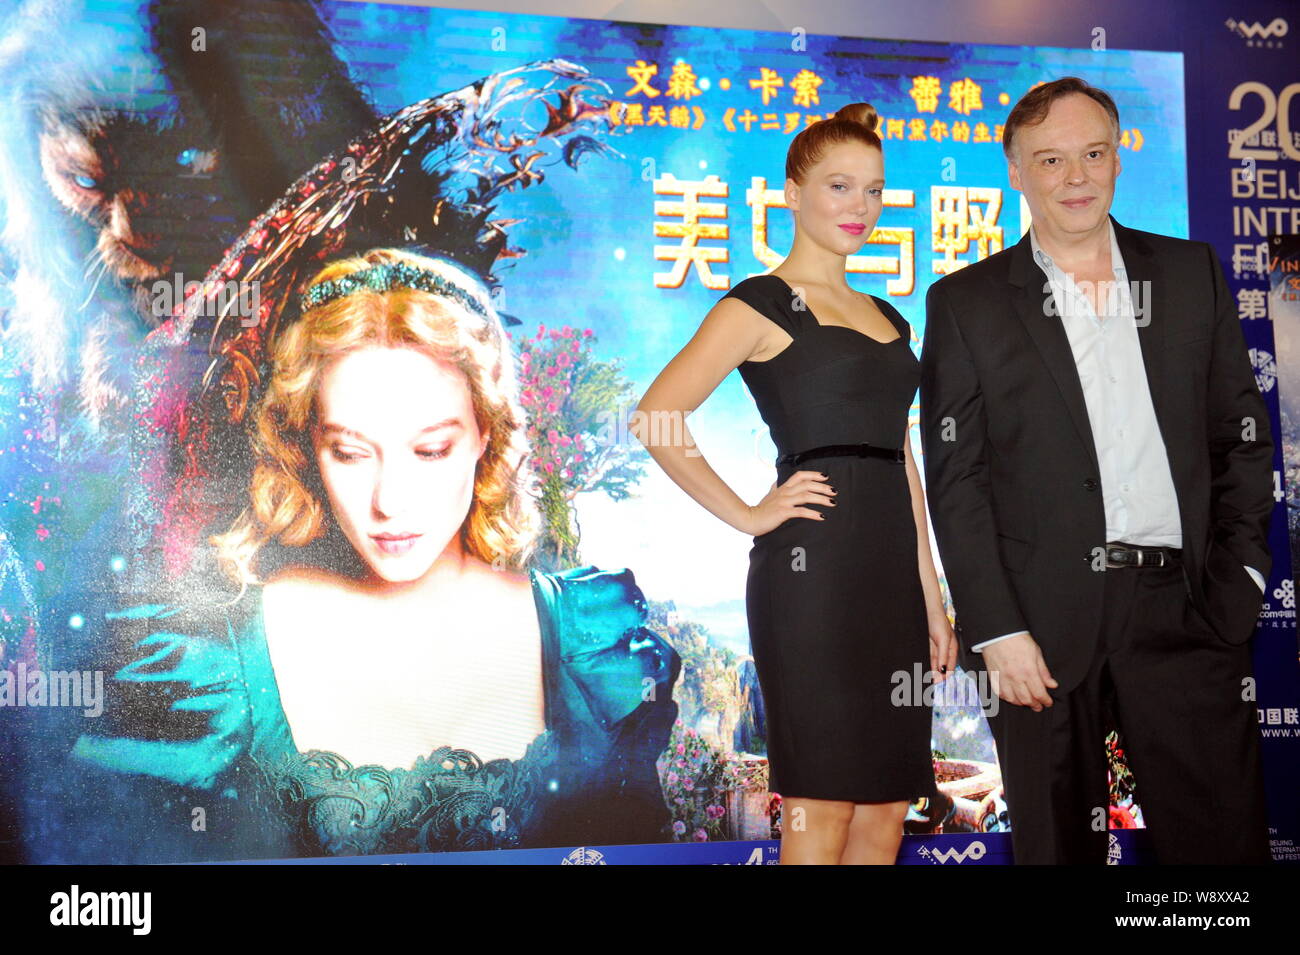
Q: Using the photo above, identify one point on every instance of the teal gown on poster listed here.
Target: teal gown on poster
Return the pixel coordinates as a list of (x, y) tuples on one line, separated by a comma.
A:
[(197, 721)]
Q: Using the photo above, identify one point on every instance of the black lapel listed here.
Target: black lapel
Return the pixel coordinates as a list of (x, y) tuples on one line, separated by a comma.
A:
[(1146, 286), (1033, 302), (1033, 305)]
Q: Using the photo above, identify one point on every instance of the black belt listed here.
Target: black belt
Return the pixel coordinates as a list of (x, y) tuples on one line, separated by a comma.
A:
[(837, 450), (1126, 555)]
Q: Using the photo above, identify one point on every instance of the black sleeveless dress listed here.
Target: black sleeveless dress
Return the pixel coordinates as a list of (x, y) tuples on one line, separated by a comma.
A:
[(837, 618)]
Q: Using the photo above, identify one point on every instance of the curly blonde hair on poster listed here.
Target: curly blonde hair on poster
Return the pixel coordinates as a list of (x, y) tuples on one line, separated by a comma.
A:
[(287, 503)]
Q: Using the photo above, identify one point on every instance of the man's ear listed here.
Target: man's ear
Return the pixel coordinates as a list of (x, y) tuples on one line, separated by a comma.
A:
[(1013, 175)]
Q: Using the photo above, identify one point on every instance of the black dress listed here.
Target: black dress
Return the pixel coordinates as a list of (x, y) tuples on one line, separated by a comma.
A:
[(835, 607)]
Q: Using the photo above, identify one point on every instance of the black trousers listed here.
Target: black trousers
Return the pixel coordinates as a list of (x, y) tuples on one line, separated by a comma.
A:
[(1179, 696)]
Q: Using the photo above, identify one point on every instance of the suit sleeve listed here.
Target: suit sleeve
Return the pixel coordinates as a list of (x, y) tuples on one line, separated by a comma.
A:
[(953, 438), (1241, 464)]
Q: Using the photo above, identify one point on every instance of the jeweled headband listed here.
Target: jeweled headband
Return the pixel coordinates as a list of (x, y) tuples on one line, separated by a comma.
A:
[(386, 277)]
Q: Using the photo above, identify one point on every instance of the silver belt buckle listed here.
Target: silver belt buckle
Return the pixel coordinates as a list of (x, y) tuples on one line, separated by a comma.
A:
[(1141, 557)]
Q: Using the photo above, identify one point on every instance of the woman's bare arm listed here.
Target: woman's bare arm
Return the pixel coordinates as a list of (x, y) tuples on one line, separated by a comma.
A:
[(925, 560), (943, 643), (731, 333)]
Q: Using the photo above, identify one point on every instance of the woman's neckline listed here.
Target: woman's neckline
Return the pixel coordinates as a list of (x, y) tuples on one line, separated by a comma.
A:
[(549, 661), (820, 324)]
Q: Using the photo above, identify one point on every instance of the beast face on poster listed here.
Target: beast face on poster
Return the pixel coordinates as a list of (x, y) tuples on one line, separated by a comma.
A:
[(324, 532)]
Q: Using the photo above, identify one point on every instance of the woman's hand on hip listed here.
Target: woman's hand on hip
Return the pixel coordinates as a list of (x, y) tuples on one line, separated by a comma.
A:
[(787, 501)]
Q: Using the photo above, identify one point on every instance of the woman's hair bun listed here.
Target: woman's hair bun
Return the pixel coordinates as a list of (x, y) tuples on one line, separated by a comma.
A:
[(863, 113), (857, 122)]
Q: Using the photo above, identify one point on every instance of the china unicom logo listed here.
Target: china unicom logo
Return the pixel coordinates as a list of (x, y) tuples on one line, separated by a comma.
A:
[(974, 851), (1286, 593), (584, 856), (1258, 31)]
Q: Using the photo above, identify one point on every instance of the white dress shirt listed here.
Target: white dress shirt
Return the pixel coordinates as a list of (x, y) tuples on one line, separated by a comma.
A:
[(1137, 488)]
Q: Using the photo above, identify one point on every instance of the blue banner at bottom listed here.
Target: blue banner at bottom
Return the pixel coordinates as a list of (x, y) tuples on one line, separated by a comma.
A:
[(1127, 847)]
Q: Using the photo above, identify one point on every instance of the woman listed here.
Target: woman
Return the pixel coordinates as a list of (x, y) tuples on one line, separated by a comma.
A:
[(842, 591), (384, 616)]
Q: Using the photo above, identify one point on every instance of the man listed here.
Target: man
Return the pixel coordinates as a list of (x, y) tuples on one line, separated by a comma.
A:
[(1099, 468)]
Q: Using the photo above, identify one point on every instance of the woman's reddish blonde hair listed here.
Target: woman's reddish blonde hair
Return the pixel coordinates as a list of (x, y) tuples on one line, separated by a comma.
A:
[(856, 121), (287, 502)]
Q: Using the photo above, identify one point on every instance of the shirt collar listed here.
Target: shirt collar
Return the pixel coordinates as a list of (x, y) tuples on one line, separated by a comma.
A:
[(1047, 265)]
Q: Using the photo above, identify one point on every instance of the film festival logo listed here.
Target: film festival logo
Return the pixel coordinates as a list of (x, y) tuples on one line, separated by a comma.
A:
[(584, 856), (1265, 366)]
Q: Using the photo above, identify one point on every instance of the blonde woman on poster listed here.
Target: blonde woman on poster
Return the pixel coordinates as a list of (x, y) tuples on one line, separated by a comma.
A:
[(391, 676)]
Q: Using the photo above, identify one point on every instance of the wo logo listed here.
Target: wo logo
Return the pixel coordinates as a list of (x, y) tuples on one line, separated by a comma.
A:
[(1254, 31), (975, 851)]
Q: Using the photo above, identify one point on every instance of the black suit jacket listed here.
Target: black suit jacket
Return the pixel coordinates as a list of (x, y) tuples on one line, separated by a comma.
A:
[(1013, 483)]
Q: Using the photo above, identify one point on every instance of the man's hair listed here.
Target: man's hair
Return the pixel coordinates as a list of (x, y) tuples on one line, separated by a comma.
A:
[(1034, 106)]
